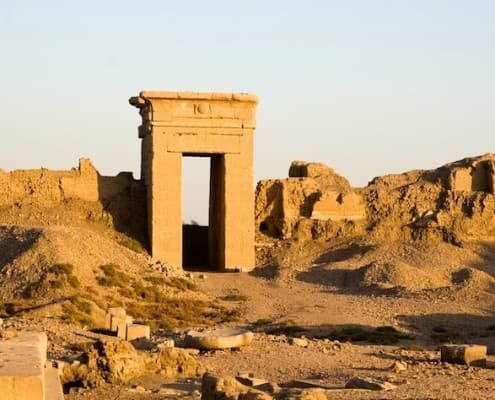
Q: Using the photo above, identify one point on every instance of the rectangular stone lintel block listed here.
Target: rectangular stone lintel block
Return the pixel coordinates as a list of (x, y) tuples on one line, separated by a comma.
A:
[(136, 331), (119, 320), (464, 354), (118, 311), (22, 370)]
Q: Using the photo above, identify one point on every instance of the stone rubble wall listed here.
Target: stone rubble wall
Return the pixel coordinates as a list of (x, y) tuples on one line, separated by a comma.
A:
[(453, 203), (47, 197)]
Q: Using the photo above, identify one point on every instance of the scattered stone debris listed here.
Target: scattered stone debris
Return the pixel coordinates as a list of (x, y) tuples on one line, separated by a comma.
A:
[(219, 339), (369, 384), (117, 361), (250, 380), (117, 321), (464, 354), (166, 343), (298, 342), (398, 366), (228, 388)]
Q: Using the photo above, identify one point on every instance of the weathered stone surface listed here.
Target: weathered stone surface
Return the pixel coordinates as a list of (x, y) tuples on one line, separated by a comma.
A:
[(136, 331), (219, 339), (217, 124), (120, 321), (313, 192), (114, 311), (304, 394), (22, 361), (228, 388), (298, 342), (53, 387), (369, 384), (464, 354), (117, 361)]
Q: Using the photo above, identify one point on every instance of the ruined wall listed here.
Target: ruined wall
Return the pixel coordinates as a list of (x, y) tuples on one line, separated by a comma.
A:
[(312, 192), (74, 197), (453, 203), (478, 177)]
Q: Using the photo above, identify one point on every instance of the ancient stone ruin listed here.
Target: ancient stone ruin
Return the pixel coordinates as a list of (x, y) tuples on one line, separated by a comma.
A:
[(451, 203), (216, 125)]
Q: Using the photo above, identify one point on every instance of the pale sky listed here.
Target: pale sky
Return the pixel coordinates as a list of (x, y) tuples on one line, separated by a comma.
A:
[(369, 87)]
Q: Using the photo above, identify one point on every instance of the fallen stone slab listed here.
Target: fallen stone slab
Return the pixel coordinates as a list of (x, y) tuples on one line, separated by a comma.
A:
[(249, 380), (306, 384), (137, 331), (219, 339), (22, 361), (466, 354), (368, 384)]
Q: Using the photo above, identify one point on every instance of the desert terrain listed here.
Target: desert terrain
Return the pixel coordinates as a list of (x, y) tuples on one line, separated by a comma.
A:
[(350, 282)]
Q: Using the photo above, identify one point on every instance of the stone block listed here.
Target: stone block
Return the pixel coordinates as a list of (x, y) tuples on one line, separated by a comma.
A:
[(53, 387), (136, 331), (464, 354), (119, 320), (219, 339), (118, 311), (22, 367)]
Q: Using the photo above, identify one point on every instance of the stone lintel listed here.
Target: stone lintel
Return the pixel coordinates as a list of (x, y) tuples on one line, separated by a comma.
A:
[(151, 94)]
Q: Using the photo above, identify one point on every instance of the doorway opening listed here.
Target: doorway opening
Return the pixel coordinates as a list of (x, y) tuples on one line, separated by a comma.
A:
[(202, 211)]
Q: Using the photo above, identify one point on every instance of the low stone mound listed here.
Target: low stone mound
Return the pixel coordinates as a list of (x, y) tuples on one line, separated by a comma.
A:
[(117, 361), (396, 275), (473, 279), (406, 267)]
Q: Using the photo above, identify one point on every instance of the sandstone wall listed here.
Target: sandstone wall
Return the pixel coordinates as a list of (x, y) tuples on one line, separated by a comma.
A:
[(47, 197), (454, 203), (312, 192)]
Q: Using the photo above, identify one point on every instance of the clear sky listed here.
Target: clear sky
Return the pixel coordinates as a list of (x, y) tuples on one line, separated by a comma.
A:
[(369, 87)]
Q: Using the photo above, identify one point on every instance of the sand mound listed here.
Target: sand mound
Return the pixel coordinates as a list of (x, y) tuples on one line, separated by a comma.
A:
[(27, 254), (363, 266), (396, 275)]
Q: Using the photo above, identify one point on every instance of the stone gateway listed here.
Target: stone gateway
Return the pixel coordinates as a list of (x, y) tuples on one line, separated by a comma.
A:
[(216, 125)]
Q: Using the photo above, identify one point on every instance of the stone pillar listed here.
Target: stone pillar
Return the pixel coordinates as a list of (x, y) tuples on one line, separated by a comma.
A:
[(165, 207), (239, 209)]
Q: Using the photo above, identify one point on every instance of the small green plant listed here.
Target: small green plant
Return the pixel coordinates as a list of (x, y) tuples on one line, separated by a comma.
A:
[(57, 276), (61, 269), (263, 321), (79, 311), (413, 347), (170, 313), (112, 276), (287, 327), (386, 335), (156, 280), (182, 284), (131, 244), (235, 297)]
